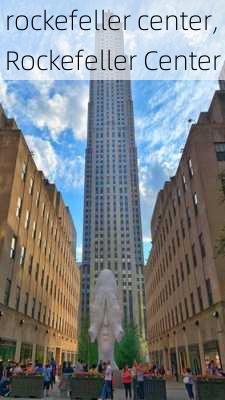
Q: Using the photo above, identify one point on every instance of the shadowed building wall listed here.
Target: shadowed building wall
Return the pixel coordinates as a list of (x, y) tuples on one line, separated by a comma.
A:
[(39, 279), (185, 276)]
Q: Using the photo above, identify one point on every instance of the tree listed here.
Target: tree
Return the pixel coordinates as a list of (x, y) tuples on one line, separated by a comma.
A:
[(128, 350), (87, 351), (221, 241)]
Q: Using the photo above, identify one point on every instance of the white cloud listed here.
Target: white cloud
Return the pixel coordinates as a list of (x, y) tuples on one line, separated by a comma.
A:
[(69, 171), (6, 99), (65, 109), (79, 253), (147, 239)]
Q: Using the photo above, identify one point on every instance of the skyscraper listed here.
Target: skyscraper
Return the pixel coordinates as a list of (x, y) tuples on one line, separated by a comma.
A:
[(112, 235)]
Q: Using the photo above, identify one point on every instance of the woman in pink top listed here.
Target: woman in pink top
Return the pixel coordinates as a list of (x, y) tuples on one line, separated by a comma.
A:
[(127, 381)]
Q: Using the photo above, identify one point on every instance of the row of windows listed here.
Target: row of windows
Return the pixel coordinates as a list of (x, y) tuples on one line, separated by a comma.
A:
[(39, 311), (182, 311), (159, 273), (43, 211), (50, 289), (62, 272)]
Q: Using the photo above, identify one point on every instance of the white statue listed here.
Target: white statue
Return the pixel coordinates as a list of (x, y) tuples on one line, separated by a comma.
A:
[(106, 317)]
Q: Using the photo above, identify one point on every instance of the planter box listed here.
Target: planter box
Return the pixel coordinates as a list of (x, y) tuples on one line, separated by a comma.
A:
[(208, 389), (64, 385), (154, 388), (85, 388), (27, 386)]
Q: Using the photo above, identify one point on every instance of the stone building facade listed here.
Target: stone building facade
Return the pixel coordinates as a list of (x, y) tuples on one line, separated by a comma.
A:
[(39, 279), (185, 275)]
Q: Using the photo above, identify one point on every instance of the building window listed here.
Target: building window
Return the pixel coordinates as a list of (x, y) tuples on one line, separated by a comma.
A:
[(188, 216), (43, 209), (130, 298), (39, 311), (194, 255), (182, 229), (30, 265), (39, 239), (23, 171), (177, 278), (18, 207), (181, 312), (31, 186), (187, 264), (37, 273), (22, 255), (209, 292), (37, 199), (26, 303), (186, 308), (13, 247), (220, 151), (193, 304), (202, 245), (17, 298), (27, 219), (34, 230), (7, 292), (195, 202), (182, 271), (176, 315), (33, 308), (190, 168), (178, 196), (178, 238), (200, 299), (184, 183)]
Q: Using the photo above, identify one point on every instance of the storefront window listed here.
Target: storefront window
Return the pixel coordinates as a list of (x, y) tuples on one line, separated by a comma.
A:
[(39, 355), (195, 359), (26, 353), (183, 358), (50, 354), (7, 350), (211, 351)]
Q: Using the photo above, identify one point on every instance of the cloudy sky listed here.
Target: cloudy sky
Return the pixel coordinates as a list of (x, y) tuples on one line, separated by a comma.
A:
[(53, 117)]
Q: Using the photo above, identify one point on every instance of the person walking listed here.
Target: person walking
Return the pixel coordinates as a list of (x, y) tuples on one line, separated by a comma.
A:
[(47, 378), (188, 382), (140, 381), (53, 374), (127, 381), (107, 387)]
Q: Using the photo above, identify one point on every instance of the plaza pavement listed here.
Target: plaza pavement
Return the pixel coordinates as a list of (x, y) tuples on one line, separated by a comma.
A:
[(175, 391)]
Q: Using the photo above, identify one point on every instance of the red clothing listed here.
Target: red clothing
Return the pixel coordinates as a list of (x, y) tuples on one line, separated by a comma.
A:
[(126, 376)]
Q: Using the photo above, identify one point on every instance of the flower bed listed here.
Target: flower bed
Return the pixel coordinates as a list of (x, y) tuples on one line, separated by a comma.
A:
[(27, 386), (154, 388), (85, 387), (210, 388)]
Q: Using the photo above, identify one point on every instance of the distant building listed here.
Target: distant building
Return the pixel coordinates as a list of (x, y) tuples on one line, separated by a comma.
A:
[(185, 276), (112, 233), (39, 279)]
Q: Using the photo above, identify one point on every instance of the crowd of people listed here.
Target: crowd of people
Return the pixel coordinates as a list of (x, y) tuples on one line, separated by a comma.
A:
[(127, 375), (7, 371)]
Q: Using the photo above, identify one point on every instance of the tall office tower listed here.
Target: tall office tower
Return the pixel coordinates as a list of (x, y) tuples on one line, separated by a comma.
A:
[(112, 235)]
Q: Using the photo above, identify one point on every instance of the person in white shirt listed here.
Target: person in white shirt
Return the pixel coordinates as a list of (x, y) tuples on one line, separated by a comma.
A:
[(107, 387)]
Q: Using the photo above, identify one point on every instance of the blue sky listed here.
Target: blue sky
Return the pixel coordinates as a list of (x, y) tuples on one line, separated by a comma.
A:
[(53, 117)]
